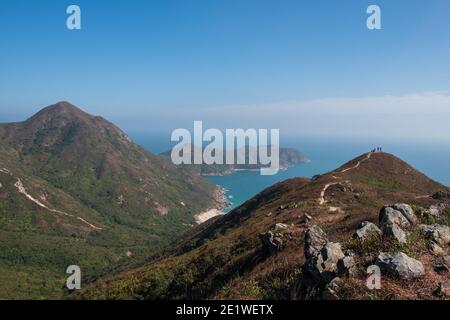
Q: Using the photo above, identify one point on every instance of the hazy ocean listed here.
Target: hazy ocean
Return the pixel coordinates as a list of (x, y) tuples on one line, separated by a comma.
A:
[(432, 159)]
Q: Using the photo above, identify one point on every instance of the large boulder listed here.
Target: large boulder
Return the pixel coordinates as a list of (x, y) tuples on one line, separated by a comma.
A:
[(432, 211), (315, 239), (347, 266), (437, 233), (324, 265), (271, 243), (389, 215), (367, 229), (400, 265), (394, 232), (407, 212)]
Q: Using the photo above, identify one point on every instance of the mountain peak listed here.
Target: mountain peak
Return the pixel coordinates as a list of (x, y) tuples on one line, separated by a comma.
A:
[(62, 124), (62, 109), (64, 106)]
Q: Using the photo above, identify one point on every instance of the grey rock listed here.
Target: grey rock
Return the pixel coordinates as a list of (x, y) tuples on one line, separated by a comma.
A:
[(389, 215), (270, 242), (367, 229), (394, 232), (436, 232), (315, 239), (332, 252), (407, 212), (432, 211), (323, 267), (327, 260), (435, 248), (280, 227), (347, 266), (400, 265)]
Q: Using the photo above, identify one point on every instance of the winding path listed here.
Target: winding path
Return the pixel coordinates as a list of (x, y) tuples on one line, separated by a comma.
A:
[(22, 190), (358, 164), (322, 200)]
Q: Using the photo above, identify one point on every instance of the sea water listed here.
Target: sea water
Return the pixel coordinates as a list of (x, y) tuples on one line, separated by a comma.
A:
[(430, 157)]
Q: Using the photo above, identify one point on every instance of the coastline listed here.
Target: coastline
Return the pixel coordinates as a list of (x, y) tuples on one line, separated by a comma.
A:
[(236, 170), (222, 203)]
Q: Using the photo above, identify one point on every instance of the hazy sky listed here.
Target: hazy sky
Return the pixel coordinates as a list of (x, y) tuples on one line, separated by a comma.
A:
[(305, 67)]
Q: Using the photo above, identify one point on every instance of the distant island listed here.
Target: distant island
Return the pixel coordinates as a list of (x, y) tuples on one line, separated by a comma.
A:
[(288, 157)]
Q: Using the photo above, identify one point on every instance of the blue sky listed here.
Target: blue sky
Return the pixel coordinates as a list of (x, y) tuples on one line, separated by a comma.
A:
[(157, 65)]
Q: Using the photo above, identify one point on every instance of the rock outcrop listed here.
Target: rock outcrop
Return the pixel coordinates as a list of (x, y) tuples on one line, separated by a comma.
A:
[(347, 266), (389, 215), (437, 233), (395, 217), (367, 229), (394, 232), (433, 211), (271, 243), (315, 239), (323, 266), (400, 265), (407, 212)]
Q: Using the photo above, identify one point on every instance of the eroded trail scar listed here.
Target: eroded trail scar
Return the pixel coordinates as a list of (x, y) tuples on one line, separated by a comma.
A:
[(324, 190), (358, 164), (20, 187), (322, 200)]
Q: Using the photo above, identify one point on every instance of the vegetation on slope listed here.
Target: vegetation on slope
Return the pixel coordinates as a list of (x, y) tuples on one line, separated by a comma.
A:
[(224, 257), (89, 197)]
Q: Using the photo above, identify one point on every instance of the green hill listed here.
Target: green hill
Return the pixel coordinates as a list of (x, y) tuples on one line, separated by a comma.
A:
[(75, 190)]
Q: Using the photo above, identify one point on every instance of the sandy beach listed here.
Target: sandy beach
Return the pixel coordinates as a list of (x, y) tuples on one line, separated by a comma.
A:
[(222, 203), (205, 216)]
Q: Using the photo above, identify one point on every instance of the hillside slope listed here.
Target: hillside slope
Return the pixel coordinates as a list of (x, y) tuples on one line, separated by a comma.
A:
[(75, 190), (235, 256)]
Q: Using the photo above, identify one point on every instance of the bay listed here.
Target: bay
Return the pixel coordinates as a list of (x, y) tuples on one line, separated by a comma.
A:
[(326, 154)]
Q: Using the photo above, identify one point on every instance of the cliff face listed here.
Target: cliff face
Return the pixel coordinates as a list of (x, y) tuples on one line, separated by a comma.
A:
[(288, 241)]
